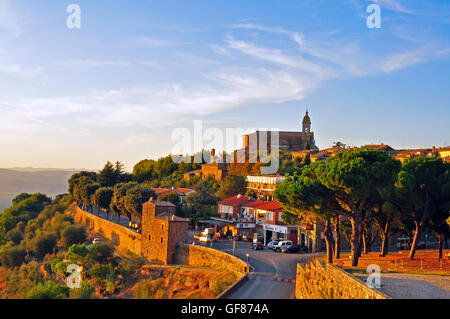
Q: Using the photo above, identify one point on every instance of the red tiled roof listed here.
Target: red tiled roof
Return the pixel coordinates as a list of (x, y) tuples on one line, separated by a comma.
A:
[(183, 191), (270, 206), (254, 203), (236, 200), (160, 191), (180, 191)]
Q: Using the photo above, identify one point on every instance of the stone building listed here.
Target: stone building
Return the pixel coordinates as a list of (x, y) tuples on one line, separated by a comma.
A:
[(161, 231), (288, 141)]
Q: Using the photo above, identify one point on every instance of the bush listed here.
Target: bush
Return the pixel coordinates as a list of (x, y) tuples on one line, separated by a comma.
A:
[(48, 290), (80, 250), (43, 245), (15, 236), (73, 235), (99, 271), (12, 257), (101, 253), (86, 291)]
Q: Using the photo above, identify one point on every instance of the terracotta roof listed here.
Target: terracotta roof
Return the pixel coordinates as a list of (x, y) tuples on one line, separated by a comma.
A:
[(183, 191), (160, 191), (253, 204), (163, 203), (180, 191), (379, 147), (236, 200), (270, 206)]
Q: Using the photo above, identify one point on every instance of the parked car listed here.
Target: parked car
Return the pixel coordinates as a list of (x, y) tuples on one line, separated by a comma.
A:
[(272, 243), (246, 238), (96, 241), (283, 245), (257, 237), (257, 245), (290, 249), (206, 239)]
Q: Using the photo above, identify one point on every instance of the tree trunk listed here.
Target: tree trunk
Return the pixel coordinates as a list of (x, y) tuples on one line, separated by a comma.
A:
[(412, 252), (360, 241), (329, 241), (365, 242), (384, 244), (441, 242), (337, 249), (355, 239)]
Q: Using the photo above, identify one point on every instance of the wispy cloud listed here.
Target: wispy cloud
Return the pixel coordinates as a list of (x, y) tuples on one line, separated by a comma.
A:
[(272, 55), (394, 5), (296, 36)]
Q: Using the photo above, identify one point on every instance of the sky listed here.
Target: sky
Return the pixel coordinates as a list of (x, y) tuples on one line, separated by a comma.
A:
[(135, 71)]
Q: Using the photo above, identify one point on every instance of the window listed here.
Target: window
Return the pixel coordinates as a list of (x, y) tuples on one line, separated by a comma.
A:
[(162, 239), (162, 226), (149, 237)]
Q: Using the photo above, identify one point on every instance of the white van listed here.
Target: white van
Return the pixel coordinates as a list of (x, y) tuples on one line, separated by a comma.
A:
[(283, 245)]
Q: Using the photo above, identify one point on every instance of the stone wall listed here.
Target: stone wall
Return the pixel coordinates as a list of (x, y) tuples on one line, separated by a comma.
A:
[(316, 280), (126, 239), (202, 256)]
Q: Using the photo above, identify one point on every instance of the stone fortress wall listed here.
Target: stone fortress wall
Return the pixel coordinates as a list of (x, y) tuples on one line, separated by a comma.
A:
[(317, 280), (125, 239), (194, 255)]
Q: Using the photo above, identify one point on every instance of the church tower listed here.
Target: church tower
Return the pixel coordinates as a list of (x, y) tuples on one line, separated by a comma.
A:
[(306, 123)]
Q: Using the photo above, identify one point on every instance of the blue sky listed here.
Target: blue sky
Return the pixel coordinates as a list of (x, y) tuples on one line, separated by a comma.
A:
[(136, 70)]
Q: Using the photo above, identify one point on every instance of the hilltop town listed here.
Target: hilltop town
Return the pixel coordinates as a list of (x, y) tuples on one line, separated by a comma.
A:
[(130, 232)]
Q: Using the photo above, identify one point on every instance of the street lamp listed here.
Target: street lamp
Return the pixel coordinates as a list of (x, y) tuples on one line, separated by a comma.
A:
[(248, 256)]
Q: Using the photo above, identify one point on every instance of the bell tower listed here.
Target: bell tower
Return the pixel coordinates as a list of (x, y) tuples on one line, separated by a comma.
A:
[(306, 123)]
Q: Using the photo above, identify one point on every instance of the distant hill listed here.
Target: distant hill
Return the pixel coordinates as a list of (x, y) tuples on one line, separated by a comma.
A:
[(30, 180)]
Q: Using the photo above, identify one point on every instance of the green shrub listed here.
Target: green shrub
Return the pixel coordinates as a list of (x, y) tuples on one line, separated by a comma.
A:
[(15, 236), (86, 291), (12, 257), (43, 245), (73, 235), (102, 272), (101, 253), (48, 290)]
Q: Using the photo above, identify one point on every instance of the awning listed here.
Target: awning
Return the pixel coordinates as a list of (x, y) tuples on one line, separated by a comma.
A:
[(213, 222)]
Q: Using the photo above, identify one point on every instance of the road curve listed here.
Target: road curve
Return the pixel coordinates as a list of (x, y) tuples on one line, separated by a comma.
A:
[(272, 275)]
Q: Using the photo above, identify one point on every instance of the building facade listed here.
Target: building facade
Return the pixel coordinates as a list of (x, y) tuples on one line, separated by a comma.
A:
[(290, 141), (264, 185), (161, 231)]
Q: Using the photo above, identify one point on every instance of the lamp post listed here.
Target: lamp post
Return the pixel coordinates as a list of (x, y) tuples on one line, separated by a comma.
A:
[(248, 257)]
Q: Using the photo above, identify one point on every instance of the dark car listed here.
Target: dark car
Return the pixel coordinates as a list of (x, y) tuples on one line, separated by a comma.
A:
[(257, 246), (290, 250)]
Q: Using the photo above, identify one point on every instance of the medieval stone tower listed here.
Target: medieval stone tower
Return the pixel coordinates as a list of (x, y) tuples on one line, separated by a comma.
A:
[(161, 231), (306, 123)]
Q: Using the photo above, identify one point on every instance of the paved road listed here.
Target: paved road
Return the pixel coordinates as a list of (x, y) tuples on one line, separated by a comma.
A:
[(272, 275)]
